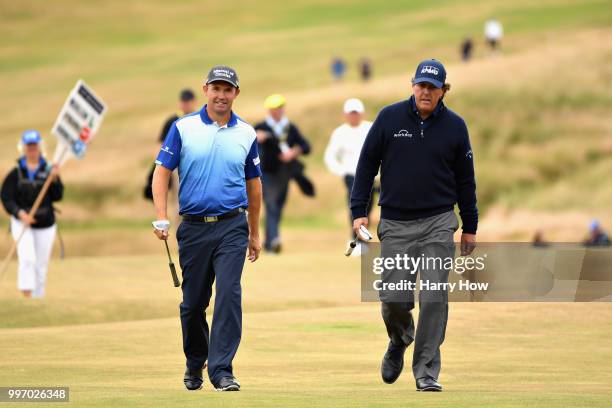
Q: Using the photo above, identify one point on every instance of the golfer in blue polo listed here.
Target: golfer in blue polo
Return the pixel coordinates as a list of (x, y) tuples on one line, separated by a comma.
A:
[(219, 200)]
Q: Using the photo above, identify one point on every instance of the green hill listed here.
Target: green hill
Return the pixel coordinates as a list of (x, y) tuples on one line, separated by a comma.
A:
[(536, 111)]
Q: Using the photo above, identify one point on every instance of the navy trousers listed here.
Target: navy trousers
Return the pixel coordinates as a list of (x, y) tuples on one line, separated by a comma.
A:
[(209, 253)]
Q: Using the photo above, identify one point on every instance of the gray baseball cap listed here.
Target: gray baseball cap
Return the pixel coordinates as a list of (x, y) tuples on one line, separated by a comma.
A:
[(223, 73)]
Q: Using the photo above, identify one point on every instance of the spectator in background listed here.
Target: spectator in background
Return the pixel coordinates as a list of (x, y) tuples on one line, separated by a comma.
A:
[(539, 240), (338, 68), (280, 145), (493, 32), (467, 46), (19, 191), (187, 105), (365, 69), (342, 152), (597, 236)]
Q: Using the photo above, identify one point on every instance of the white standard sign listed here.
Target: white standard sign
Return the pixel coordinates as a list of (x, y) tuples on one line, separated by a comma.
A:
[(79, 119)]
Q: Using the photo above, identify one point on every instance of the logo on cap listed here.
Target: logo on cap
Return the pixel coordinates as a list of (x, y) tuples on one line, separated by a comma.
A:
[(224, 73), (428, 69)]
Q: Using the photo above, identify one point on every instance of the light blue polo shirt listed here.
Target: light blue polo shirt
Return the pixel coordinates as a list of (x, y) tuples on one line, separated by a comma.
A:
[(213, 162)]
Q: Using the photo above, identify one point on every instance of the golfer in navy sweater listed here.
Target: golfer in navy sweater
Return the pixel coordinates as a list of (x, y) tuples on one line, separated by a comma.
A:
[(423, 151)]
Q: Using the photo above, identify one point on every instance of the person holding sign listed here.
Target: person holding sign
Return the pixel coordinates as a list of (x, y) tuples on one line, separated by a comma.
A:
[(19, 192), (29, 191)]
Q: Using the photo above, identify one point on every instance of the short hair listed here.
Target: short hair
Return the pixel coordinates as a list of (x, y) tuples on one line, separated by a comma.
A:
[(186, 95)]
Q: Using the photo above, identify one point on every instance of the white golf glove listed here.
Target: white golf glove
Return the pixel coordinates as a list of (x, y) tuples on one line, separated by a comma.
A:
[(364, 233), (161, 225)]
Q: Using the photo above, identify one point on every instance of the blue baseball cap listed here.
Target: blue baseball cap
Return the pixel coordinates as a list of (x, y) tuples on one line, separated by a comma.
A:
[(431, 71), (31, 136)]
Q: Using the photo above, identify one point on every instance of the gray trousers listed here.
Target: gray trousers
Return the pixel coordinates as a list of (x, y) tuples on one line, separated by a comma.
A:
[(431, 240)]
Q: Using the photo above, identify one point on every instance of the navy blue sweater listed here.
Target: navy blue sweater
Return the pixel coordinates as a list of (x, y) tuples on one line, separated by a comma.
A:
[(426, 166)]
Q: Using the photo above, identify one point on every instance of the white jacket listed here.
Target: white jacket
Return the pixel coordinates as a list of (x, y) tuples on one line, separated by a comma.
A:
[(342, 152)]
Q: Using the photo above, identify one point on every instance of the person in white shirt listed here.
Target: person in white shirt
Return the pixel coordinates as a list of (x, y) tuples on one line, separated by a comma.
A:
[(494, 32), (342, 152)]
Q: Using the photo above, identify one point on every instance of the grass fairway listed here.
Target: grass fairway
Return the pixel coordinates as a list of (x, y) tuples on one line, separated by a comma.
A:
[(109, 330)]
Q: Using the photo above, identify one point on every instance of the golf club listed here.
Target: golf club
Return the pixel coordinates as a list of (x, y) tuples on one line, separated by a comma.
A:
[(172, 268), (365, 236), (350, 247), (164, 225)]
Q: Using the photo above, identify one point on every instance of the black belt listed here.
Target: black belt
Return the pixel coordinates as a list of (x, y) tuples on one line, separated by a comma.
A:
[(203, 218)]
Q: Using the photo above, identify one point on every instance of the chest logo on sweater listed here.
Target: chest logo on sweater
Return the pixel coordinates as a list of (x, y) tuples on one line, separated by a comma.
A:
[(402, 133)]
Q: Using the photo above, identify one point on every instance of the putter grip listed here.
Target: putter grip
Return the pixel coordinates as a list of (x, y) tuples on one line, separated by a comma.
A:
[(349, 248), (174, 276)]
